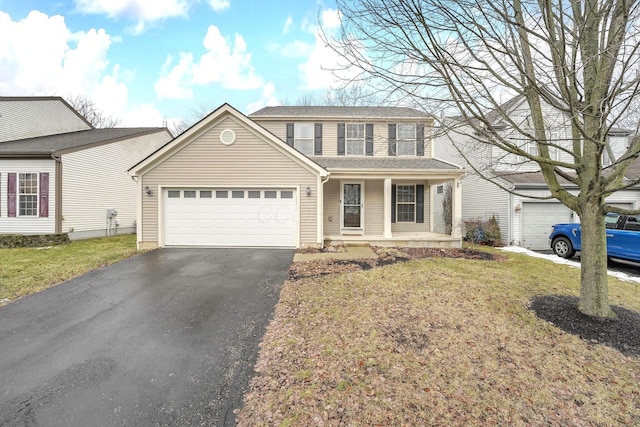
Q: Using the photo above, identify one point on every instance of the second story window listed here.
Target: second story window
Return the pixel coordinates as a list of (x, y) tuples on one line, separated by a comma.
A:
[(406, 140), (303, 138), (355, 139)]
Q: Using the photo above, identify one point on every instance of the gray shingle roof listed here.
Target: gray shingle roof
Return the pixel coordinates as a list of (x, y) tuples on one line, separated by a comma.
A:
[(340, 112), (397, 163), (47, 145)]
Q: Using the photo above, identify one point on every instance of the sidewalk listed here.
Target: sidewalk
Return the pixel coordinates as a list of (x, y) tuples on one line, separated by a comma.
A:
[(352, 252)]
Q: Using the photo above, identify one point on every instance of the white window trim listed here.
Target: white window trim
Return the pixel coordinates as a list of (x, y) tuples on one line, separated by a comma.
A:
[(19, 195), (414, 140), (348, 140), (296, 137), (414, 203)]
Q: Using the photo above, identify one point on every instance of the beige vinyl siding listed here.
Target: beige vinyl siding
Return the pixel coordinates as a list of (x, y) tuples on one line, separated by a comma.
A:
[(414, 226), (21, 119), (330, 134), (96, 179), (250, 162), (374, 207), (332, 207), (27, 225)]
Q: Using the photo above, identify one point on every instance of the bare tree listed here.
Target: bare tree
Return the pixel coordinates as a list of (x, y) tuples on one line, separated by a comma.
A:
[(579, 57), (195, 115), (87, 109)]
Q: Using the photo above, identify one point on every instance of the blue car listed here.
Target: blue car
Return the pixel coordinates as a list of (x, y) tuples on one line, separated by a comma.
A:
[(623, 237)]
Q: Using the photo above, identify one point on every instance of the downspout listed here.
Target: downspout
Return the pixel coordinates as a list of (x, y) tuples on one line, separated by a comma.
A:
[(138, 227), (58, 189)]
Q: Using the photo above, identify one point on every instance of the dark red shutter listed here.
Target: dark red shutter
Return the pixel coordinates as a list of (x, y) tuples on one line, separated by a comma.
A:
[(11, 195), (44, 195)]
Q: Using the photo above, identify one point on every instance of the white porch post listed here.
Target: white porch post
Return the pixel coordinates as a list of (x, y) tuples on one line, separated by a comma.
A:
[(387, 208), (456, 223)]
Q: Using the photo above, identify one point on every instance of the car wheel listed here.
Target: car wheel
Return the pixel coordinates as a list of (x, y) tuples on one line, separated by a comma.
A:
[(563, 247)]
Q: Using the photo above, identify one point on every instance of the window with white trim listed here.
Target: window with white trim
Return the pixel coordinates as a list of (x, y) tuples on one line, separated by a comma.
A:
[(355, 139), (406, 140), (303, 138), (28, 194), (406, 203)]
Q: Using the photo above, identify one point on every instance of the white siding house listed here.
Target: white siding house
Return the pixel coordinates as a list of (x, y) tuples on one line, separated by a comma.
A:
[(524, 221), (64, 182)]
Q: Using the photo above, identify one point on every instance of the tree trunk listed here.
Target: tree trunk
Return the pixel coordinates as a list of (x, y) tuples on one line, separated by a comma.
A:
[(594, 289)]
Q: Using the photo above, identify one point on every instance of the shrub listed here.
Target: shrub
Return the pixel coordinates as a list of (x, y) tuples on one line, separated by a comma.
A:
[(483, 232)]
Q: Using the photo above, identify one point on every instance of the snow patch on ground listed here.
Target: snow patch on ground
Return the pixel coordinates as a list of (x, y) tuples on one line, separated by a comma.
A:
[(558, 260)]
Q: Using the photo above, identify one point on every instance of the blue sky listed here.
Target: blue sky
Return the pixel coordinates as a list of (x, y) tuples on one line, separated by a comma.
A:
[(151, 61)]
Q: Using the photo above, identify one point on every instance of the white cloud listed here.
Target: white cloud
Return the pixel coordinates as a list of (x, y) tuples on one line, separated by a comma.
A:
[(144, 115), (324, 67), (268, 98), (220, 5), (39, 55), (141, 11), (330, 19), (287, 25), (170, 85), (224, 63)]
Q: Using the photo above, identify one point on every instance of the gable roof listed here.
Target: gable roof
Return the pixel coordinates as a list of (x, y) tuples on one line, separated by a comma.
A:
[(317, 112), (46, 146), (202, 126)]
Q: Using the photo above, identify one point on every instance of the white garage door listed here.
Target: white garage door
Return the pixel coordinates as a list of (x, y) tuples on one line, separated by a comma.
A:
[(537, 219), (230, 217)]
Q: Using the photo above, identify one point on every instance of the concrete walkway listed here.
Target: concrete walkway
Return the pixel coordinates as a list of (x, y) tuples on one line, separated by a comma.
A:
[(352, 252)]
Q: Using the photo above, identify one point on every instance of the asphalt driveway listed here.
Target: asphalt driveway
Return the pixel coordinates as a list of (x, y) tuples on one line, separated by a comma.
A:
[(169, 337)]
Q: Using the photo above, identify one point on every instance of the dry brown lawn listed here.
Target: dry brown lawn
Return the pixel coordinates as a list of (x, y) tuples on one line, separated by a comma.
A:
[(438, 341)]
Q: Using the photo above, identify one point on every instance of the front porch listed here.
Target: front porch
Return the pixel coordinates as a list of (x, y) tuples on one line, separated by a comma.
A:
[(398, 239)]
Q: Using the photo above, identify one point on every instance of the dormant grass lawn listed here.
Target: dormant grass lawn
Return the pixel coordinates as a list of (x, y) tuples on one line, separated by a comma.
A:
[(438, 342), (25, 271)]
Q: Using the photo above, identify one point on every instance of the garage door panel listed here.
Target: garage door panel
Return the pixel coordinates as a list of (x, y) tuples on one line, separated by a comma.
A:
[(537, 219), (243, 217)]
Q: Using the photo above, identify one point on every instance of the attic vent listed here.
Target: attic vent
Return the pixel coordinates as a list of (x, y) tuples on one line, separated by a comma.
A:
[(227, 137)]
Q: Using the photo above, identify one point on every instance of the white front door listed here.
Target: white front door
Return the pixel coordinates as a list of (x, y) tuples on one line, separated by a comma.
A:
[(352, 206)]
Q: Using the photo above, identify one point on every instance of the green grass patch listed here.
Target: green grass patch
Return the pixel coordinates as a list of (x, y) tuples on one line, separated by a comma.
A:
[(24, 271), (438, 342)]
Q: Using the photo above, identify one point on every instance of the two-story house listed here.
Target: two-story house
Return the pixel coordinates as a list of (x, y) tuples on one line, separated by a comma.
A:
[(524, 221), (58, 174), (296, 177)]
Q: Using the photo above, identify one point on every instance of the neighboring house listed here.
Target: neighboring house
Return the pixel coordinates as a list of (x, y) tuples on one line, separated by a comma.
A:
[(295, 177), (523, 221), (60, 175)]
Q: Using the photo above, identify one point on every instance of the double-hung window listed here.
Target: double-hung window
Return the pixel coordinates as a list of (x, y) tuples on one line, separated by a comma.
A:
[(303, 138), (355, 139), (28, 194), (406, 203), (406, 140)]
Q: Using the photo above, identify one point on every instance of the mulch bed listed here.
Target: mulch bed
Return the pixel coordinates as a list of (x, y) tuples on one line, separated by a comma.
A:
[(621, 333), (386, 256)]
